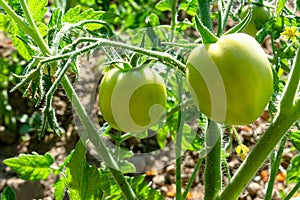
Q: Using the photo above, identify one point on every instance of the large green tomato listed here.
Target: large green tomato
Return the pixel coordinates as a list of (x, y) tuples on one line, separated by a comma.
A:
[(132, 101), (231, 80), (260, 15)]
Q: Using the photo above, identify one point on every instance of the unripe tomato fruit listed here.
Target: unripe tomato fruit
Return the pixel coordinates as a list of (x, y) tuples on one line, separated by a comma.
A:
[(132, 101), (231, 80), (260, 15)]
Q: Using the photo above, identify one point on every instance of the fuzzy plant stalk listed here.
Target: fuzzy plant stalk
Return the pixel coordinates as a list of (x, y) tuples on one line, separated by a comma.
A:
[(179, 142), (288, 113), (173, 19), (213, 171)]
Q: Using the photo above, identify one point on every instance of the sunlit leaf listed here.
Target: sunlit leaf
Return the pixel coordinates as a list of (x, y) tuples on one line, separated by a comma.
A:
[(189, 6), (295, 139), (280, 6), (164, 5), (59, 189), (31, 167), (76, 14), (37, 9), (82, 180), (293, 171)]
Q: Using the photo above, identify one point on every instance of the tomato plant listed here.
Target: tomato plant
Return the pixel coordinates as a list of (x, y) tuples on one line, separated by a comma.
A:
[(132, 101), (229, 76), (260, 15), (238, 63)]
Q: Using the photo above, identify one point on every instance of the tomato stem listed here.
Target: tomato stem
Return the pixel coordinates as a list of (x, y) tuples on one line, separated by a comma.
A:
[(35, 33), (191, 180), (162, 56), (213, 172), (204, 7), (288, 101), (179, 140), (173, 20), (274, 167), (225, 18), (293, 191)]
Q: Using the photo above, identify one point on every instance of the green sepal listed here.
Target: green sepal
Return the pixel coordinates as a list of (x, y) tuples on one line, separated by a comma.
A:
[(207, 36)]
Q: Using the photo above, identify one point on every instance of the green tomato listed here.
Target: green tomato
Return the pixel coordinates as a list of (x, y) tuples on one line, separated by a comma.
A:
[(132, 101), (260, 15), (231, 80)]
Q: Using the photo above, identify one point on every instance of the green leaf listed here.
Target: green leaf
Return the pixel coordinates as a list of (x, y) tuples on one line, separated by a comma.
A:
[(126, 167), (56, 19), (189, 136), (183, 25), (37, 9), (121, 156), (143, 190), (82, 180), (241, 25), (207, 36), (31, 167), (109, 16), (8, 194), (75, 15), (189, 6), (153, 20), (140, 187), (59, 189), (295, 139), (293, 171), (3, 21), (18, 39), (42, 28), (162, 135), (164, 5), (280, 6)]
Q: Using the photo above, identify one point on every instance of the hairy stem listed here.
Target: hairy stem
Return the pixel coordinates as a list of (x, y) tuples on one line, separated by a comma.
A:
[(35, 33), (162, 56), (225, 18), (204, 7), (173, 19), (213, 172), (191, 180), (274, 169), (179, 142), (288, 99)]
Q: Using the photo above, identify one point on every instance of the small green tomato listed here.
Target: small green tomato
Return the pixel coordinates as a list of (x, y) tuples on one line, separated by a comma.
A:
[(132, 101), (260, 15)]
